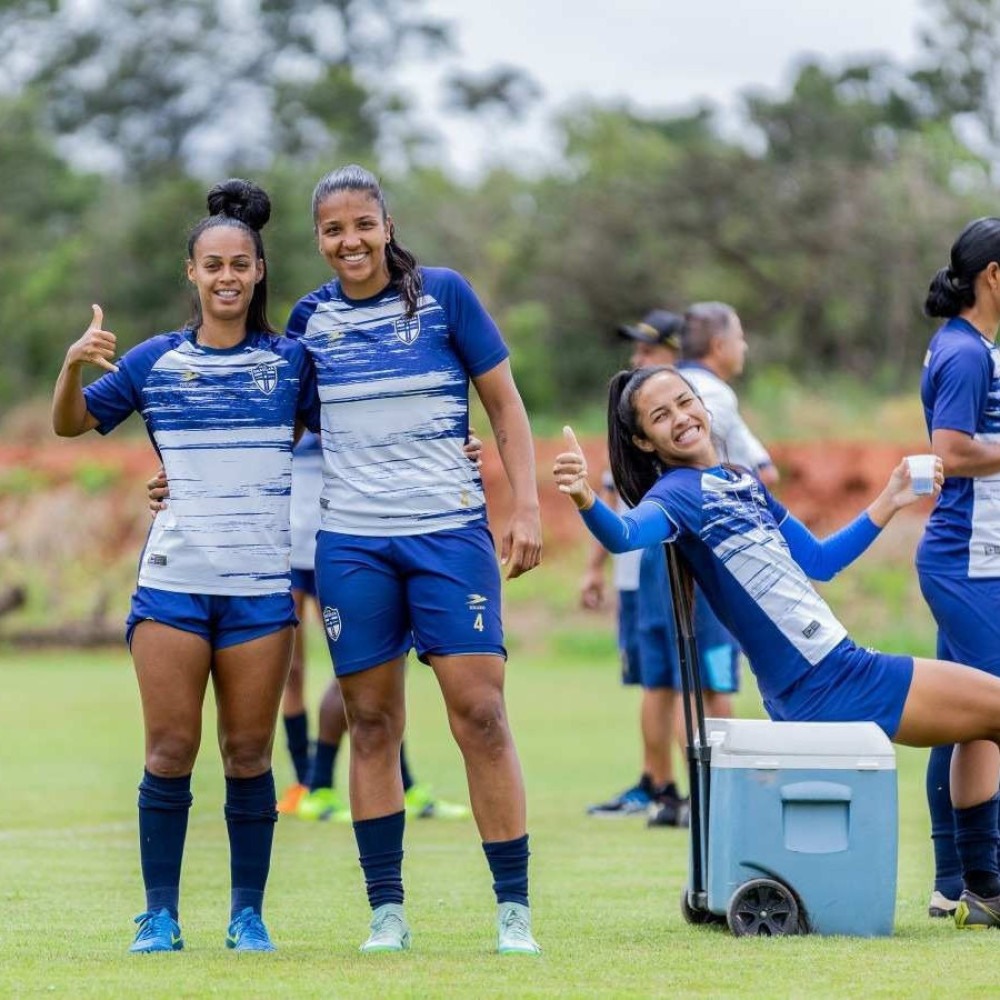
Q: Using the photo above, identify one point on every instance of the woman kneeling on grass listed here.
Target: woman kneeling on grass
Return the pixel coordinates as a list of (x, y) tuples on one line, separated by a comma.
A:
[(220, 399), (753, 561)]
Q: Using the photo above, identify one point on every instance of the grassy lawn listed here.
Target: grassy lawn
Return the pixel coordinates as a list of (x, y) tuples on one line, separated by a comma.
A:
[(605, 893)]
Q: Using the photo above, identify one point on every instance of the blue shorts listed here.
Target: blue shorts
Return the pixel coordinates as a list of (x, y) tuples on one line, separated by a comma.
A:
[(648, 655), (628, 635), (849, 684), (381, 597), (304, 580), (221, 620), (718, 651), (967, 613), (659, 666)]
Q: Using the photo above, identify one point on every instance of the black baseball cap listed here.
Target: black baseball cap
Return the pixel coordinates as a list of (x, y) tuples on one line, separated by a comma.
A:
[(657, 327)]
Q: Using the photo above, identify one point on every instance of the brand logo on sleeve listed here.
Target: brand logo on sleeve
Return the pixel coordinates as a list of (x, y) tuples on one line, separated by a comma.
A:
[(332, 623), (265, 377), (811, 629)]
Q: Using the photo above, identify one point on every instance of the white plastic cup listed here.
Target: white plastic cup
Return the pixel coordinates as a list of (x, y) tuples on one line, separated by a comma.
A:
[(922, 468)]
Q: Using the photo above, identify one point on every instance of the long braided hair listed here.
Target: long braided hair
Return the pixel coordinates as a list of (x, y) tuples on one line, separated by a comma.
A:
[(404, 273)]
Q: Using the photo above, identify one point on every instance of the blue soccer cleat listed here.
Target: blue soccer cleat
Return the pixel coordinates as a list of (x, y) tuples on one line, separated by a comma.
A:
[(248, 933), (158, 931)]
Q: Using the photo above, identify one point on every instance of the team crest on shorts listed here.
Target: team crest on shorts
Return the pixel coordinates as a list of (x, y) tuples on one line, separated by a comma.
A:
[(332, 623), (407, 328), (265, 377)]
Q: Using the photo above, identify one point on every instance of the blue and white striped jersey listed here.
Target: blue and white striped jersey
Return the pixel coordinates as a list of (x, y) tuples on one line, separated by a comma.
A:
[(731, 530), (960, 390), (395, 404), (222, 422)]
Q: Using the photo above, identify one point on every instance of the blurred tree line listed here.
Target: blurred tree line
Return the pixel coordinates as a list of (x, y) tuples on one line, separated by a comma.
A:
[(821, 217)]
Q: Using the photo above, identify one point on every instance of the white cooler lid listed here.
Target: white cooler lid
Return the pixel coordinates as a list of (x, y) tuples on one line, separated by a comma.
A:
[(758, 743)]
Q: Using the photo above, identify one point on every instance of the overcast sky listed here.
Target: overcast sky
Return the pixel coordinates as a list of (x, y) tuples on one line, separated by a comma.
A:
[(657, 54)]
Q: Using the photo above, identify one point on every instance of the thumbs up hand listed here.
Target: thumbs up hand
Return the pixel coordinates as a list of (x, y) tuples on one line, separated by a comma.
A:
[(95, 347), (570, 472)]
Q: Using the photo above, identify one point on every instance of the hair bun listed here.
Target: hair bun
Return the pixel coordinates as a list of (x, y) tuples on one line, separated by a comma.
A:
[(241, 200)]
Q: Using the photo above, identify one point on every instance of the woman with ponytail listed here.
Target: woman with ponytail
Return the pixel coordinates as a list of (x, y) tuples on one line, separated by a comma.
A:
[(754, 561), (404, 556), (220, 398), (958, 560)]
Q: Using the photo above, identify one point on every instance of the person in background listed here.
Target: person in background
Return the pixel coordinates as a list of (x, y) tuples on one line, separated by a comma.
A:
[(314, 795), (647, 642), (713, 350), (221, 399), (958, 560)]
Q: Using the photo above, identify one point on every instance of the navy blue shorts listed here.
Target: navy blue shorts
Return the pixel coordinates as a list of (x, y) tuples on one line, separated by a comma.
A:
[(849, 684), (967, 613), (718, 651), (221, 620), (380, 597), (659, 666), (628, 635), (304, 580)]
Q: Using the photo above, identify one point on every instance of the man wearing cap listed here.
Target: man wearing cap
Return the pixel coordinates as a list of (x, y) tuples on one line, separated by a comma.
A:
[(646, 634)]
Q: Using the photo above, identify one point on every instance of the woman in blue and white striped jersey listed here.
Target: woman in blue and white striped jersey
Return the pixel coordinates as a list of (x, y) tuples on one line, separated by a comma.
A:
[(220, 398)]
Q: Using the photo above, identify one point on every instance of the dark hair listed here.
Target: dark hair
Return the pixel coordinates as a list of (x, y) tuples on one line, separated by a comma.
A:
[(702, 322), (404, 274), (953, 288), (636, 471), (238, 204)]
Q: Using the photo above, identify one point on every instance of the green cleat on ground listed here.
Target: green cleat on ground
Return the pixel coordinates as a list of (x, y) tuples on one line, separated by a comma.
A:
[(514, 930), (420, 803), (323, 804), (977, 913), (389, 930)]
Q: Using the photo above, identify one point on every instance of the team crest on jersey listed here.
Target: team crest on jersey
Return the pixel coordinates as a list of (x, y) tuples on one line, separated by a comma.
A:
[(407, 328), (332, 623), (265, 377)]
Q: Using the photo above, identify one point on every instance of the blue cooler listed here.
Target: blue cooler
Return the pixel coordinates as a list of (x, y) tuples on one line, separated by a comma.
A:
[(810, 805)]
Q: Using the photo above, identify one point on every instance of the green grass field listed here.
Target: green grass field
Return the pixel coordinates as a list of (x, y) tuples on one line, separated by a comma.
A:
[(605, 893)]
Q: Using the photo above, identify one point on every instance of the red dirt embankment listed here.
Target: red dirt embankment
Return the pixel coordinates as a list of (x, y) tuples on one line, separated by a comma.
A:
[(93, 491)]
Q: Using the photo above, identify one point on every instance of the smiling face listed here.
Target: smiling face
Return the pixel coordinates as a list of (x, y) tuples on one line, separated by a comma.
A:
[(352, 235), (225, 270), (673, 421)]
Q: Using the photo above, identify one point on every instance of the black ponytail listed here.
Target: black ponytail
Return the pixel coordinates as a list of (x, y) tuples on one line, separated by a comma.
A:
[(634, 470), (953, 288)]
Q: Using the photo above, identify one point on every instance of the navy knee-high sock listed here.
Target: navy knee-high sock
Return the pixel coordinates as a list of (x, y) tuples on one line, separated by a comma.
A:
[(164, 804), (976, 837), (508, 861), (250, 818), (947, 867), (324, 759), (297, 737), (380, 850)]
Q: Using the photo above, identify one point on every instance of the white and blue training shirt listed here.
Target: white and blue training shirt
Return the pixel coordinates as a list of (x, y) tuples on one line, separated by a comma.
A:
[(394, 391), (222, 422), (960, 391)]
